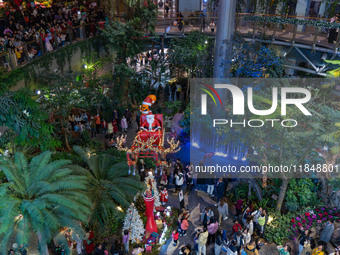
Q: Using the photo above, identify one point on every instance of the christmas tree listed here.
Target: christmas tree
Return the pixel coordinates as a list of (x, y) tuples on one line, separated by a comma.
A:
[(134, 224), (150, 180)]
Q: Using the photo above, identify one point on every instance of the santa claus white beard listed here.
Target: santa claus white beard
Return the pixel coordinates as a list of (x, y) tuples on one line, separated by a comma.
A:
[(150, 122)]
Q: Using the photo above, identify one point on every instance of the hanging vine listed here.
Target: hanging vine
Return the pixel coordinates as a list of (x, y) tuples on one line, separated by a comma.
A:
[(30, 70)]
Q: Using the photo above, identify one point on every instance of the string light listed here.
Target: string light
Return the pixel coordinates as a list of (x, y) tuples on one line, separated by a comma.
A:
[(139, 146)]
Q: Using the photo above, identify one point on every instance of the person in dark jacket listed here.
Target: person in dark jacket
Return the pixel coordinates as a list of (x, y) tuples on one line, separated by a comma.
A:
[(211, 186), (232, 248), (116, 248), (141, 170), (218, 242), (200, 179), (128, 115), (115, 115), (138, 120), (98, 250), (238, 237), (333, 34), (304, 239), (220, 189), (179, 164)]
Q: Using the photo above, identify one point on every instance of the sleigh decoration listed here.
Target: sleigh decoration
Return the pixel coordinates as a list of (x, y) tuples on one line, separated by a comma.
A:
[(149, 142)]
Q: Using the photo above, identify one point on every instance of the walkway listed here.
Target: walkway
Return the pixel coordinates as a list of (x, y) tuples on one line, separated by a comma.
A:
[(197, 202), (310, 36)]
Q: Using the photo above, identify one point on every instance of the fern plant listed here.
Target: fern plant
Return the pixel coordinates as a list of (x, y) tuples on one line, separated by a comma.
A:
[(40, 197)]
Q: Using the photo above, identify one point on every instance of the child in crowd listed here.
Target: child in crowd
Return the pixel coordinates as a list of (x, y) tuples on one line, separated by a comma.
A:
[(175, 235), (184, 225), (124, 124), (236, 227), (164, 179), (115, 127), (126, 238), (164, 196)]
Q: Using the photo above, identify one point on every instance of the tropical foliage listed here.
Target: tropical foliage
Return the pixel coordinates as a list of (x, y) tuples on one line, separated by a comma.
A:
[(185, 122), (109, 185), (301, 193), (255, 61), (23, 122), (39, 197), (188, 53), (279, 229)]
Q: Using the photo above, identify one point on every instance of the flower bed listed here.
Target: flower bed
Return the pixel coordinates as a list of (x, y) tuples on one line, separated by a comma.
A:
[(312, 219), (284, 227)]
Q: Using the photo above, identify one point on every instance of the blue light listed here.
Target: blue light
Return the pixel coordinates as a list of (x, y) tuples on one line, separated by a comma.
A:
[(205, 1)]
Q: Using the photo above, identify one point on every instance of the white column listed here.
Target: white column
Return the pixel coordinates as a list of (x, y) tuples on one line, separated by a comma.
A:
[(224, 35), (301, 10)]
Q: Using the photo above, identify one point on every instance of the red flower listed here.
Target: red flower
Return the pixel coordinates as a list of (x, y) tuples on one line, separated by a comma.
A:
[(325, 213), (299, 224), (304, 221), (307, 214), (320, 215), (293, 220)]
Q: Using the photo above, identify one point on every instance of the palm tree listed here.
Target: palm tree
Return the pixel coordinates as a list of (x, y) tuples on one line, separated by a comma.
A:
[(39, 197), (109, 184)]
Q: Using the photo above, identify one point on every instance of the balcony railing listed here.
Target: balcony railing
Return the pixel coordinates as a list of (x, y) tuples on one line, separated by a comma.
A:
[(312, 32), (13, 58)]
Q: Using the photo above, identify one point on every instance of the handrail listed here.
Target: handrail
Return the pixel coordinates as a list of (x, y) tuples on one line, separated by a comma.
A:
[(284, 16), (251, 14), (247, 14)]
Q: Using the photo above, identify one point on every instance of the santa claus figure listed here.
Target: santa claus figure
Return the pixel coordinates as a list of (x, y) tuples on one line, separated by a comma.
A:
[(164, 196), (151, 124)]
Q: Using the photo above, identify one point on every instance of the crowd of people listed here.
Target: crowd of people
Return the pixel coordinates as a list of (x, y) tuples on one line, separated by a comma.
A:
[(246, 237), (44, 29), (96, 125)]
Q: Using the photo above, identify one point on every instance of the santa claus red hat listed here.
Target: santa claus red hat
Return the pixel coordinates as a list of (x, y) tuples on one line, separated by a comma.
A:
[(149, 100)]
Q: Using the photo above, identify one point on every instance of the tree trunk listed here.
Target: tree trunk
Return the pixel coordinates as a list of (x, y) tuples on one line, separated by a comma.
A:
[(253, 184), (324, 192), (68, 147), (282, 194)]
